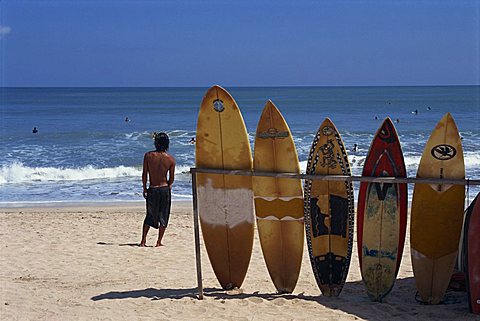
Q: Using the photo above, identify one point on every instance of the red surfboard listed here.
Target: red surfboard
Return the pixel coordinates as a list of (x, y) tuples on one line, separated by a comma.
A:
[(472, 231), (382, 214)]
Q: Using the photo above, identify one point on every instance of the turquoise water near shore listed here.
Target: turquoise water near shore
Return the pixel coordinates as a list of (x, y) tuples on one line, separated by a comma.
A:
[(85, 151)]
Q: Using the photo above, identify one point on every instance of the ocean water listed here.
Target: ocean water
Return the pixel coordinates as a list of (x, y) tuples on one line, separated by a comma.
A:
[(85, 151)]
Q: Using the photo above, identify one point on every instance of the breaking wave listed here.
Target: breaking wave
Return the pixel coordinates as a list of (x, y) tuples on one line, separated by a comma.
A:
[(19, 173)]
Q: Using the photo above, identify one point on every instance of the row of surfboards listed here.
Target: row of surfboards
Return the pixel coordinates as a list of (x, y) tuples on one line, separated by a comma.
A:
[(324, 210)]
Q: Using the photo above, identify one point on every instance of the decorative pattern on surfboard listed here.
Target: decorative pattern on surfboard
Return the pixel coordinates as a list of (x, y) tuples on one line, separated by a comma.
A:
[(329, 211), (472, 254), (225, 202), (382, 214)]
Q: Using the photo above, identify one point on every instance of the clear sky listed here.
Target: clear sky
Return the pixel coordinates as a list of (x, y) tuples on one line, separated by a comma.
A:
[(239, 43)]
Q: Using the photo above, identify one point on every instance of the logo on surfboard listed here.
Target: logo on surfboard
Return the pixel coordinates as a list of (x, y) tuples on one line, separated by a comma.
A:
[(273, 133), (327, 130), (218, 105), (328, 155), (443, 152), (387, 132)]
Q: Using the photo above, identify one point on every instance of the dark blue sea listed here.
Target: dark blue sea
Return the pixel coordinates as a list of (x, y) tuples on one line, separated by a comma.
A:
[(85, 151)]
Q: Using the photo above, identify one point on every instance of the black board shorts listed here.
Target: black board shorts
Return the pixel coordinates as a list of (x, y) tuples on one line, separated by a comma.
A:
[(158, 206)]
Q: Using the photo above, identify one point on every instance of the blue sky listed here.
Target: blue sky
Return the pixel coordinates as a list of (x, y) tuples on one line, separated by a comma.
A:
[(239, 43)]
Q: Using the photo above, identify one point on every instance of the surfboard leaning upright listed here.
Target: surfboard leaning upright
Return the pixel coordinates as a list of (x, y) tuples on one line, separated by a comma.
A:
[(278, 201), (329, 211), (437, 212), (472, 254), (382, 213), (225, 202)]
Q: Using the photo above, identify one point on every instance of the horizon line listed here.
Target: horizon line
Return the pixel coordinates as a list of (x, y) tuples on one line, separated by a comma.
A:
[(268, 86)]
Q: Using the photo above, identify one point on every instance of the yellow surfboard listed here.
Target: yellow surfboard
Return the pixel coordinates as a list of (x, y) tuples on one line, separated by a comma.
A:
[(278, 201), (225, 202), (437, 212)]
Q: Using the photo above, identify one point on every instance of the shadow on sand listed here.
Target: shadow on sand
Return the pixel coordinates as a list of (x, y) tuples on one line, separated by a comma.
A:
[(353, 300), (150, 293), (122, 244), (400, 304)]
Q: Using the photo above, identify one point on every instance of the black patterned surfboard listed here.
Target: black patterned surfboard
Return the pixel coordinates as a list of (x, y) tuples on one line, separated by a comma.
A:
[(329, 211)]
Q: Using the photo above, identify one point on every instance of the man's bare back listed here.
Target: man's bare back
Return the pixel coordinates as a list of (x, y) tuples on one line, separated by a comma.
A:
[(156, 166)]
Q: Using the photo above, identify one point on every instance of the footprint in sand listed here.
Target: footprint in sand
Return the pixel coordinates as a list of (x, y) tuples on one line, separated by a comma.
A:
[(255, 300), (279, 301), (242, 303)]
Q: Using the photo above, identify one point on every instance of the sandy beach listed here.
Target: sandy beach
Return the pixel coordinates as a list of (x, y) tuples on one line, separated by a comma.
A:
[(83, 263)]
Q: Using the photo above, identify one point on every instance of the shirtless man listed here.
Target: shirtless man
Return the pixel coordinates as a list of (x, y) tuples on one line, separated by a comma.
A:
[(156, 165)]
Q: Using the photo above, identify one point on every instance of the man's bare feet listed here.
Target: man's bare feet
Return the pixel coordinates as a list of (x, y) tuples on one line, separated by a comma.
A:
[(159, 243), (142, 244)]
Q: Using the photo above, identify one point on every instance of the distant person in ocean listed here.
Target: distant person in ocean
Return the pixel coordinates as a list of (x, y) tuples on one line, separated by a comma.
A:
[(192, 141), (354, 148), (397, 120), (376, 117), (127, 119), (429, 108), (415, 112), (157, 165), (35, 130)]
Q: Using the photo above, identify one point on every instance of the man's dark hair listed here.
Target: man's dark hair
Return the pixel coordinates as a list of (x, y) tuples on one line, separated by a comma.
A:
[(161, 141)]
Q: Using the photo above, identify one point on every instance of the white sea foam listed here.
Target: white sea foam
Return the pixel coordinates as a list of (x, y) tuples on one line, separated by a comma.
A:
[(137, 135), (19, 173), (182, 169), (471, 159), (303, 166), (180, 133), (181, 196)]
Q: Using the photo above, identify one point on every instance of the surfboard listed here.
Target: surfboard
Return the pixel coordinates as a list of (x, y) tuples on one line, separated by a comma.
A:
[(329, 211), (437, 212), (278, 201), (382, 214), (225, 202), (460, 263), (472, 257)]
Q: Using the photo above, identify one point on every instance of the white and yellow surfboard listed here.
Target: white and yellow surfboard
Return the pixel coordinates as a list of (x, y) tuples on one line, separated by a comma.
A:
[(225, 202)]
